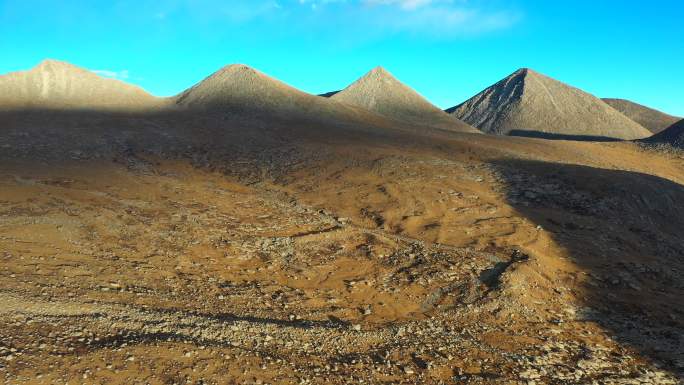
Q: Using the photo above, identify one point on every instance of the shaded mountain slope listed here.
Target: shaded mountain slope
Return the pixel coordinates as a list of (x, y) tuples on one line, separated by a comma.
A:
[(528, 102), (652, 119), (673, 135)]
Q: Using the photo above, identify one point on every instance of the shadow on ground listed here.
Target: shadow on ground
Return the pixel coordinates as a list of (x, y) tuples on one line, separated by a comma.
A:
[(553, 136), (625, 230)]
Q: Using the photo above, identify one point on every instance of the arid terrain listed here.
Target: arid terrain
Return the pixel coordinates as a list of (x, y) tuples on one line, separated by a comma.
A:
[(300, 240), (528, 103), (653, 120)]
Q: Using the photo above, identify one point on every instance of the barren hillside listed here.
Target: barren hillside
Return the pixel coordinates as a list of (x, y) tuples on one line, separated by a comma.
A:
[(673, 135), (54, 84), (653, 120), (381, 92), (528, 103), (238, 87)]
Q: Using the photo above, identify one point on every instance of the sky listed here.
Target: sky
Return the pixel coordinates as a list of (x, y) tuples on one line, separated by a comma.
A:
[(447, 50)]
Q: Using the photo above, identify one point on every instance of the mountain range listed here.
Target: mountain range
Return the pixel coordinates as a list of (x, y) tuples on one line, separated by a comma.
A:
[(246, 232), (526, 103)]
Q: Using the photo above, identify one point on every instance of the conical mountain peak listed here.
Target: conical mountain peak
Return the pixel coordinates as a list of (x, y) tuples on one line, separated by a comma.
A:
[(520, 71), (60, 68), (526, 71), (379, 72), (524, 76), (233, 74), (239, 87), (378, 78), (54, 63), (237, 67), (57, 84), (46, 63), (232, 69), (530, 103), (379, 91)]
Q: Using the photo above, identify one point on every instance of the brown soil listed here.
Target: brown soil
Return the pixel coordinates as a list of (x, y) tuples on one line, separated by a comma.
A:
[(232, 253)]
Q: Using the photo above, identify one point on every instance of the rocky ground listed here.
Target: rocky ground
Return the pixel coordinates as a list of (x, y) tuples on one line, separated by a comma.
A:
[(459, 261)]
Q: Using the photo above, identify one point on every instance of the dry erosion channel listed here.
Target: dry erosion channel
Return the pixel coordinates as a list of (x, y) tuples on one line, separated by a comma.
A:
[(246, 232)]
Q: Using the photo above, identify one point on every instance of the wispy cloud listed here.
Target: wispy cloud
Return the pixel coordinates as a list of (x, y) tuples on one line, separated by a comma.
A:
[(404, 4), (445, 18), (121, 75), (432, 18)]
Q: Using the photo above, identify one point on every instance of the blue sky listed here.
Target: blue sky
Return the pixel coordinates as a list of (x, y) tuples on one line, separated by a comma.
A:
[(448, 50)]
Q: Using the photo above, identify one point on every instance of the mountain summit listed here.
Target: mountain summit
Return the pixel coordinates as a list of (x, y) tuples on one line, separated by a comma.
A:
[(54, 84), (529, 103), (239, 87), (382, 93), (241, 91)]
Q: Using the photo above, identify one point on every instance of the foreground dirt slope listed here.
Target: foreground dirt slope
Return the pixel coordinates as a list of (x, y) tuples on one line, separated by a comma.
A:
[(174, 249)]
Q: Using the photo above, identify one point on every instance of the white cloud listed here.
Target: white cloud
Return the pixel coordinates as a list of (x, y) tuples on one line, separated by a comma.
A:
[(358, 19), (121, 75), (404, 4), (444, 18)]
